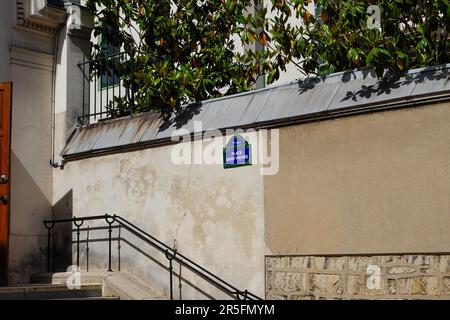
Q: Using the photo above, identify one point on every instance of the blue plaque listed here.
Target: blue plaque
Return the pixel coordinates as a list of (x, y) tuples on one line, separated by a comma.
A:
[(237, 153)]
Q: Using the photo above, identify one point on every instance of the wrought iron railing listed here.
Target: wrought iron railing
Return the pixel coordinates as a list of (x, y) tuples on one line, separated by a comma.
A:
[(170, 254), (108, 87)]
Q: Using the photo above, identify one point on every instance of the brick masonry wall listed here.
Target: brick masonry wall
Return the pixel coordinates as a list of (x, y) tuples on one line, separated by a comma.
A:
[(347, 277)]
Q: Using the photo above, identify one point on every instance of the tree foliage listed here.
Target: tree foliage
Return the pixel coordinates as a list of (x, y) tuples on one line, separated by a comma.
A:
[(338, 36), (177, 51), (187, 50)]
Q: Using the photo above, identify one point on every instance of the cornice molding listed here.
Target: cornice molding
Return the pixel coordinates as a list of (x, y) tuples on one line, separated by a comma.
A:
[(37, 16)]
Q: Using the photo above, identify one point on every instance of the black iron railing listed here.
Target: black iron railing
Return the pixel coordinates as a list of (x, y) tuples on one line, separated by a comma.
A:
[(108, 87), (171, 255)]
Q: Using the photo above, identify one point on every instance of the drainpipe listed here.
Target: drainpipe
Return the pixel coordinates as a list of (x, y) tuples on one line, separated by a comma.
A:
[(54, 163), (71, 14)]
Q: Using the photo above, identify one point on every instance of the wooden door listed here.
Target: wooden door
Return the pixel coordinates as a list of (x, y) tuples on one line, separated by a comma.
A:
[(5, 134)]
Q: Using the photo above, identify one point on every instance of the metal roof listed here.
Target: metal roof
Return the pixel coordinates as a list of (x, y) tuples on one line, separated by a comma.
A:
[(307, 100)]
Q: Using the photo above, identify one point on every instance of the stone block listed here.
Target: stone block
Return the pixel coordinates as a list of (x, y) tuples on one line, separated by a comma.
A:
[(269, 277), (420, 285), (337, 263), (329, 277), (433, 288), (360, 264), (408, 259), (325, 284), (443, 264), (275, 262), (289, 281), (446, 285), (421, 260), (354, 284), (320, 263), (300, 262), (434, 261), (385, 259), (373, 291), (401, 270), (392, 286)]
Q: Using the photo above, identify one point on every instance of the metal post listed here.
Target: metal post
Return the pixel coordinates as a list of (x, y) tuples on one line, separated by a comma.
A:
[(119, 246), (107, 85), (101, 90), (180, 285), (84, 85), (171, 281), (109, 249), (89, 95), (113, 106), (49, 226), (170, 257), (78, 225), (95, 96), (49, 237), (87, 250), (49, 245), (78, 246), (109, 220)]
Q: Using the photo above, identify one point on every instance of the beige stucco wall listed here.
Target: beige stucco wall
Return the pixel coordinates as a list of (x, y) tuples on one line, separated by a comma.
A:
[(375, 183), (216, 215)]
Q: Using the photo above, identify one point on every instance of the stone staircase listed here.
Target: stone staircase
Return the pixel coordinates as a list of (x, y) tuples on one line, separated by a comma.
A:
[(92, 286)]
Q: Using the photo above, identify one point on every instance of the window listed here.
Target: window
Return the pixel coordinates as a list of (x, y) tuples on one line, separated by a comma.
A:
[(110, 77)]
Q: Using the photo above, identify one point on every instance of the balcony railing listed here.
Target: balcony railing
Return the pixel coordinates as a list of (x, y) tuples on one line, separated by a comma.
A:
[(108, 87)]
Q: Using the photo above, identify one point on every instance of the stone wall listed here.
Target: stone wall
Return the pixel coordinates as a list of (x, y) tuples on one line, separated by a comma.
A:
[(350, 277), (215, 216)]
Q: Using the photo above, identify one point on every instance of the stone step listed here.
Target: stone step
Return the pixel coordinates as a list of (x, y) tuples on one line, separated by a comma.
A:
[(90, 298), (117, 284), (49, 291)]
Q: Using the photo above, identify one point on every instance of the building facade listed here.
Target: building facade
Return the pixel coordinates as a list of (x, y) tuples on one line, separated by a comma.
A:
[(347, 195)]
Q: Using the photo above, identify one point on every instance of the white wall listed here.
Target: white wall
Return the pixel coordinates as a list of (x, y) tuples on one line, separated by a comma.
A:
[(216, 214)]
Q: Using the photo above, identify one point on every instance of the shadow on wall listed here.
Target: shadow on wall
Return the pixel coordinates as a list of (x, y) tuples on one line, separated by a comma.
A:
[(29, 206), (383, 86), (181, 116), (3, 258), (62, 233)]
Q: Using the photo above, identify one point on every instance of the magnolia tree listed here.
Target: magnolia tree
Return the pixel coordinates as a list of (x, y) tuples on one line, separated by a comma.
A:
[(187, 50), (178, 51), (394, 35)]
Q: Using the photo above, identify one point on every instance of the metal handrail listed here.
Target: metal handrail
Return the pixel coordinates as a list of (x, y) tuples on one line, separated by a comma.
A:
[(170, 253)]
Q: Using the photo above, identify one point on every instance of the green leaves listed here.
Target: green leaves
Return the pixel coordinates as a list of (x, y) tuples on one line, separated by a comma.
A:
[(180, 51), (337, 36), (191, 50)]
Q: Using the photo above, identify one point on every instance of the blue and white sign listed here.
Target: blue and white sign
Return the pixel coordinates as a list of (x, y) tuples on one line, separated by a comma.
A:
[(237, 153)]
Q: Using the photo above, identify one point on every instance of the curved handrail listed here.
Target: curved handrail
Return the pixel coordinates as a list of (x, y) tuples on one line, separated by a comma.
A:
[(170, 253), (178, 255)]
